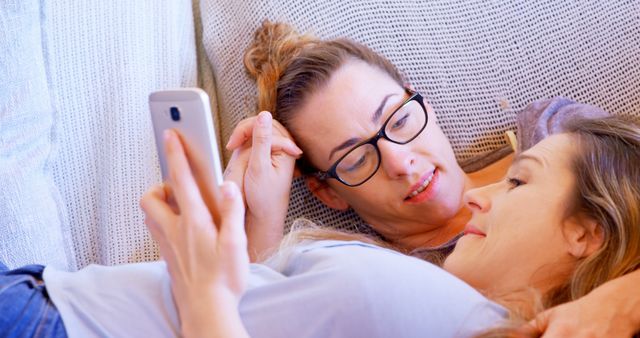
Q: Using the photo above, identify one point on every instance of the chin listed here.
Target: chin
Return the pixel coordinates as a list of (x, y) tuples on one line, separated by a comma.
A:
[(444, 210), (462, 271), (460, 259), (451, 196), (451, 262), (451, 266)]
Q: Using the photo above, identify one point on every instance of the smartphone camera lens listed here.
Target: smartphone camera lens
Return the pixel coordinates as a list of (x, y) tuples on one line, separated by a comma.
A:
[(175, 113)]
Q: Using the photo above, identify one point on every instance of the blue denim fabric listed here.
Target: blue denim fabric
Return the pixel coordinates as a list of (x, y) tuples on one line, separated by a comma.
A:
[(25, 306)]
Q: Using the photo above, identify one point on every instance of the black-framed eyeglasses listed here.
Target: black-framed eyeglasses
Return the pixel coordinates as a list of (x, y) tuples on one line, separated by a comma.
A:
[(363, 160)]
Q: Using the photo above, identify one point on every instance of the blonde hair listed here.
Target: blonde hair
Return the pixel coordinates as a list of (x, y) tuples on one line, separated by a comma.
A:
[(607, 168), (288, 67)]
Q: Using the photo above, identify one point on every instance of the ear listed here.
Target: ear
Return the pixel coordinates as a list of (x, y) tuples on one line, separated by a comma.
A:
[(326, 194), (584, 236)]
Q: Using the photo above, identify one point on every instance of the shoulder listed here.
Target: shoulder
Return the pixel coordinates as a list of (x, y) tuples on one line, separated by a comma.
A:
[(386, 292), (365, 270), (404, 294)]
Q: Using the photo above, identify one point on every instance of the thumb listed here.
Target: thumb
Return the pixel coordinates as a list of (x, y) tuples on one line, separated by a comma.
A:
[(261, 146), (231, 228)]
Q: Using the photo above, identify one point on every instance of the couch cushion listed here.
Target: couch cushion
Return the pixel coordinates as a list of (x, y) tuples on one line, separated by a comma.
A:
[(105, 57), (33, 227), (477, 62)]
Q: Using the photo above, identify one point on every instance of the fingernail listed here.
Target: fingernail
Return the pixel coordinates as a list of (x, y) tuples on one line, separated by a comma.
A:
[(168, 138), (263, 118)]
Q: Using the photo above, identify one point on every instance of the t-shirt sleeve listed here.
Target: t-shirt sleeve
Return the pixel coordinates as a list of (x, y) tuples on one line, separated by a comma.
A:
[(131, 300)]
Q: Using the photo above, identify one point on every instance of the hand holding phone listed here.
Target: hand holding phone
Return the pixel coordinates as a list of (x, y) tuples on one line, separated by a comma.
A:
[(201, 252), (187, 112)]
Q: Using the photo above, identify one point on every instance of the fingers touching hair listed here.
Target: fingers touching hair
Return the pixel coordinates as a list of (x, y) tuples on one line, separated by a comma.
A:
[(287, 65), (273, 48)]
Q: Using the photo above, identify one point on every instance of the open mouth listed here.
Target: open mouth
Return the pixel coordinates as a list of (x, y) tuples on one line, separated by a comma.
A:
[(421, 187)]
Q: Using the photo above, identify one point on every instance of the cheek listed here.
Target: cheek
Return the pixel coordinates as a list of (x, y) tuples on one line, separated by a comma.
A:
[(367, 194), (444, 145), (435, 143), (521, 241), (513, 231), (480, 261)]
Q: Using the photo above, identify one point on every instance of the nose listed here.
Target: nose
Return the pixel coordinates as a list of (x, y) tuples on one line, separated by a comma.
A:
[(478, 199), (397, 160)]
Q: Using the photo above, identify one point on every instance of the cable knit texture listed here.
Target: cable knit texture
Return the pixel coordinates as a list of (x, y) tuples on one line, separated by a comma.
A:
[(478, 63), (104, 58), (33, 228), (76, 146), (547, 117)]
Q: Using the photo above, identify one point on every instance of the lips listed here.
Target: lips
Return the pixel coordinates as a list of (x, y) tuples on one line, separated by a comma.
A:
[(471, 229), (425, 188)]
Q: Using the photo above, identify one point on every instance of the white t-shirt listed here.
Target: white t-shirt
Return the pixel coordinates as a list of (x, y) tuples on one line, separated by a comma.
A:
[(320, 289)]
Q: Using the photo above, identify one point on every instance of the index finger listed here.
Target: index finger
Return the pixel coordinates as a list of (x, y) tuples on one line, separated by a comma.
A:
[(241, 133), (261, 149), (184, 186), (237, 166)]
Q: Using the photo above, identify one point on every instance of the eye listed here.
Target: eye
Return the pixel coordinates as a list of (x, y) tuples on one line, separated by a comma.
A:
[(401, 122), (514, 182), (358, 164)]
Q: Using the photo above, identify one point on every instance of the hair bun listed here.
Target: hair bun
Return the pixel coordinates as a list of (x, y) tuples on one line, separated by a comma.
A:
[(273, 48)]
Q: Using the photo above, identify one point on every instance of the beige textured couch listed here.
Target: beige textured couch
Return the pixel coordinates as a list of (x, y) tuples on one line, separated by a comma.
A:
[(76, 147)]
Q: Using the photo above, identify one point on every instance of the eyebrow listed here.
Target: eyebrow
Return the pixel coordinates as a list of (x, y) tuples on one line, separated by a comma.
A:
[(376, 115), (522, 157), (374, 118)]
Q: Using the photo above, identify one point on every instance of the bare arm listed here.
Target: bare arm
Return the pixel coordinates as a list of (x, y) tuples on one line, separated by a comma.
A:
[(212, 314), (611, 310), (203, 245), (264, 168)]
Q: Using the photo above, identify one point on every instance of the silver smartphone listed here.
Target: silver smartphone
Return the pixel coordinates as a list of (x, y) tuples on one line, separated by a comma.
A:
[(187, 111)]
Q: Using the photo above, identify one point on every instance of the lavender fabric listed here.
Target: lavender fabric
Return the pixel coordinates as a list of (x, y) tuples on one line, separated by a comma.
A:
[(550, 116), (536, 121)]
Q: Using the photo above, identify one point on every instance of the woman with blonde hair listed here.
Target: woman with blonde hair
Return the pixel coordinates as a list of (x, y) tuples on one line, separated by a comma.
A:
[(563, 222), (325, 95)]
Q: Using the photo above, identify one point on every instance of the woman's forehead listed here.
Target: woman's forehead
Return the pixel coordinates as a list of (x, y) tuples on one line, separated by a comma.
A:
[(347, 106), (360, 80), (554, 153)]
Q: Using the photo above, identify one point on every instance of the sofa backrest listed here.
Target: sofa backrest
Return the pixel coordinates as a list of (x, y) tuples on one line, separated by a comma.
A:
[(477, 62), (32, 227), (101, 61), (76, 147)]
